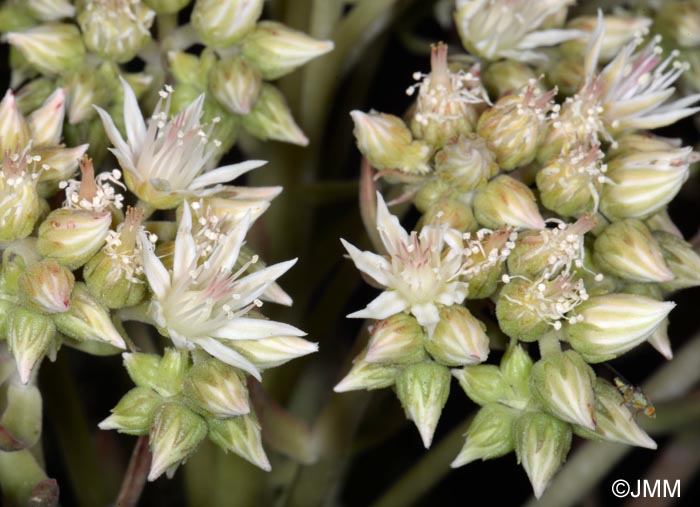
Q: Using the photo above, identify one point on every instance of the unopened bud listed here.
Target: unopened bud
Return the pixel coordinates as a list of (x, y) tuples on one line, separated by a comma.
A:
[(506, 201), (165, 375), (29, 338), (166, 6), (46, 287), (680, 22), (13, 125), (134, 412), (627, 249), (682, 260), (53, 48), (387, 143), (490, 435), (433, 191), (72, 237), (541, 445), (508, 76), (459, 338), (236, 83), (466, 164), (615, 422), (50, 10), (451, 212), (396, 340), (217, 388), (515, 367), (610, 325), (272, 119), (661, 221), (87, 319), (175, 434), (618, 31), (518, 310), (563, 384), (367, 376), (566, 74), (19, 201), (241, 435), (423, 390), (483, 383), (271, 352), (221, 23), (84, 89), (277, 49)]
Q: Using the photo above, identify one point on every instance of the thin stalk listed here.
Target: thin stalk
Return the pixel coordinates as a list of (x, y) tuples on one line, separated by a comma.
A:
[(135, 477)]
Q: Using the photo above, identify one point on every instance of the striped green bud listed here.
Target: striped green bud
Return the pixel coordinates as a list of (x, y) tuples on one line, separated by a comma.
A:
[(272, 119), (46, 287), (53, 48), (236, 83), (459, 338), (505, 201), (30, 336), (490, 435), (220, 23), (466, 164), (396, 340), (217, 389), (681, 258), (134, 413), (242, 436), (507, 76)]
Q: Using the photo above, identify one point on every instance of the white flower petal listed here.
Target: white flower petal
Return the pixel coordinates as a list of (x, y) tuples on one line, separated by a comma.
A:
[(389, 227), (121, 147), (385, 305), (427, 316), (185, 256), (228, 356), (134, 124), (246, 328), (374, 265), (225, 173), (157, 275), (253, 285)]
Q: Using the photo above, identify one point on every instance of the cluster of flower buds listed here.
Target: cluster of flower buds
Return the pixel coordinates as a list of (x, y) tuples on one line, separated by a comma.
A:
[(87, 47), (553, 207)]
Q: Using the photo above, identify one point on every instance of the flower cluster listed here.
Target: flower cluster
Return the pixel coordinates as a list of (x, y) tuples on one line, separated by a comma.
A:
[(550, 212)]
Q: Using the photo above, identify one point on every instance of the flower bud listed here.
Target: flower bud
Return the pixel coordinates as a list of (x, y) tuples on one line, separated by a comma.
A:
[(220, 23), (541, 445), (53, 48), (485, 253), (610, 325), (570, 184), (387, 143), (661, 221), (272, 119), (236, 83), (628, 250), (682, 260), (660, 341), (506, 201), (448, 103), (50, 10), (423, 389), (87, 319), (46, 123), (271, 352), (72, 236), (466, 164), (483, 383), (13, 125), (29, 338), (217, 389), (644, 183), (85, 88), (165, 375), (514, 125), (432, 193), (451, 212), (508, 76), (19, 201), (566, 74), (175, 434), (515, 368), (615, 422), (115, 30), (192, 70), (642, 142), (459, 338), (46, 287), (679, 21), (367, 376), (490, 435), (277, 49), (166, 6), (134, 412), (617, 31), (563, 383), (242, 436), (396, 340)]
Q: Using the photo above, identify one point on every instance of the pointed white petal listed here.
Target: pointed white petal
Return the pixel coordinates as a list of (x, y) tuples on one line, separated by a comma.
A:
[(225, 255), (389, 227), (253, 285), (113, 133), (246, 328), (157, 275), (134, 124), (385, 305), (427, 316), (185, 255), (228, 355), (374, 265), (225, 173)]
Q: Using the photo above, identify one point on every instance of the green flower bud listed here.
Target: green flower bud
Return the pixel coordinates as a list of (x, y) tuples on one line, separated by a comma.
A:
[(87, 319), (448, 103), (115, 30), (50, 10), (490, 435), (15, 16), (518, 310), (466, 164), (682, 260), (217, 388), (618, 31), (84, 89), (641, 142), (660, 341), (32, 95), (506, 201), (236, 84), (563, 383), (515, 368), (570, 184), (175, 434), (433, 191), (29, 338), (628, 250), (367, 376), (277, 49), (272, 119), (164, 375), (644, 183), (19, 201), (661, 221), (387, 143), (459, 338), (166, 6), (615, 422), (53, 48), (679, 21), (13, 125), (72, 236), (514, 125), (271, 352), (220, 23), (423, 389), (451, 212), (46, 287), (396, 340), (189, 69), (541, 445), (484, 384), (133, 414), (508, 76), (566, 74), (608, 326), (242, 436)]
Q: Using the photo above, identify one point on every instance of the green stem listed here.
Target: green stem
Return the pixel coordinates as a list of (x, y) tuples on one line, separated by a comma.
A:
[(427, 472), (549, 344), (594, 460)]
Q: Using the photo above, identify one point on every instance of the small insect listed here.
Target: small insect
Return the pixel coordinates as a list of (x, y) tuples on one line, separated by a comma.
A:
[(634, 398)]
